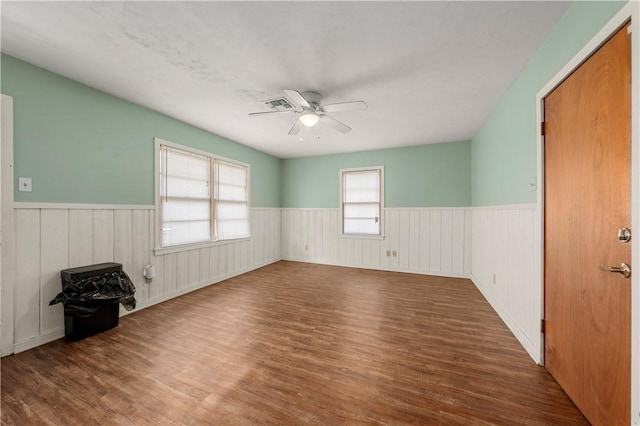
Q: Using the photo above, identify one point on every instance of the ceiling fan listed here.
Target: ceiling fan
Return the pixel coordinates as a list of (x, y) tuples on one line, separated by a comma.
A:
[(310, 110)]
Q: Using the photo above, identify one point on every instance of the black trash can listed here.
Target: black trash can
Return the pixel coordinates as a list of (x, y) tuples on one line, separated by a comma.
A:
[(91, 296), (105, 315)]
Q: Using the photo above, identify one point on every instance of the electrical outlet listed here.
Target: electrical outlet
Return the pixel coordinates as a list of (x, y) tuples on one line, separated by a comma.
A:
[(388, 253), (306, 247), (394, 253), (494, 278)]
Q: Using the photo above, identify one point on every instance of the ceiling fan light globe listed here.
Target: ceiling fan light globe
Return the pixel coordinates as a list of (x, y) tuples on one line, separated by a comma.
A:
[(309, 119)]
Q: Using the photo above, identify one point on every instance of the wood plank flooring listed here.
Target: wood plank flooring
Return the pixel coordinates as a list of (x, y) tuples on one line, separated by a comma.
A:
[(294, 343)]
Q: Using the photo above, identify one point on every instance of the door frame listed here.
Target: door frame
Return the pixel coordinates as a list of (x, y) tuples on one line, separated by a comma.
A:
[(629, 12), (6, 225)]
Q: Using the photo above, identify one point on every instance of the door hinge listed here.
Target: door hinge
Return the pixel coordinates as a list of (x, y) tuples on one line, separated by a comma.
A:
[(542, 326), (542, 129)]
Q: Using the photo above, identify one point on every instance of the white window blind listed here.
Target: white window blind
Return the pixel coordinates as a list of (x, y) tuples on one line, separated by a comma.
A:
[(361, 201), (231, 201), (201, 198), (185, 199)]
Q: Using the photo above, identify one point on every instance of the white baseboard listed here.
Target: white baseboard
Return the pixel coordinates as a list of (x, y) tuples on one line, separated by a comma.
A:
[(509, 322), (526, 343), (59, 333), (378, 268), (38, 340), (198, 286)]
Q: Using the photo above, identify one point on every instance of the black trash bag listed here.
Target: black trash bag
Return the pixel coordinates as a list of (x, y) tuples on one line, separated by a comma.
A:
[(82, 297)]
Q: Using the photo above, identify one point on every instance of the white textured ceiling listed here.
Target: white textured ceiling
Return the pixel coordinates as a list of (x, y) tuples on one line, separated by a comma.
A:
[(430, 71)]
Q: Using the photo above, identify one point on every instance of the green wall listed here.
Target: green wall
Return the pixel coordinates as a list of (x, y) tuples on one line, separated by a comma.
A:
[(80, 145), (503, 152), (435, 175)]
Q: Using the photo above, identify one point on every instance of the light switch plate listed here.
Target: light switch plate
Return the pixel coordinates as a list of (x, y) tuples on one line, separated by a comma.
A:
[(532, 184), (24, 184)]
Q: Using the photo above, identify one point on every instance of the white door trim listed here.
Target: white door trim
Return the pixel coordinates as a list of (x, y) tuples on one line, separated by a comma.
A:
[(631, 11), (6, 226)]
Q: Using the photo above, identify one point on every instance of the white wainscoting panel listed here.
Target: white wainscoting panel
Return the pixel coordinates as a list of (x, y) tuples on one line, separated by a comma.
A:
[(432, 241), (506, 268), (437, 241), (51, 238)]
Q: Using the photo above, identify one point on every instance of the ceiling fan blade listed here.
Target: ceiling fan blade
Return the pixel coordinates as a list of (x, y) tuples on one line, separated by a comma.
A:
[(296, 128), (338, 125), (252, 114), (297, 98), (344, 106)]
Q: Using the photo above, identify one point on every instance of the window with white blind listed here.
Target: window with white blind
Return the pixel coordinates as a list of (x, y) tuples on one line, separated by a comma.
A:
[(231, 201), (361, 200), (201, 198), (185, 196)]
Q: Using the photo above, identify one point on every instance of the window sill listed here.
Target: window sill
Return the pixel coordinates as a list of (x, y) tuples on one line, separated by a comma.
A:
[(362, 236), (186, 247)]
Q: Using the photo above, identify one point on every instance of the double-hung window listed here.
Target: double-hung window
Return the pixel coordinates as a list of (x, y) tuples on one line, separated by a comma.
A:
[(201, 198), (230, 200), (362, 200)]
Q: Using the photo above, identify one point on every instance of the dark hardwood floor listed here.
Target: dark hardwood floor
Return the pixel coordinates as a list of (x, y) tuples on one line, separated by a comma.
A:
[(294, 343)]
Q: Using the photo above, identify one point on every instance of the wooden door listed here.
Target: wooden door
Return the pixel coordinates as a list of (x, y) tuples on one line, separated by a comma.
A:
[(587, 175)]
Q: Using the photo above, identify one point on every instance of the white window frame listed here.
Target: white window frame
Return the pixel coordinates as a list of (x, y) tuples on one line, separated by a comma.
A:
[(341, 204), (158, 208)]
